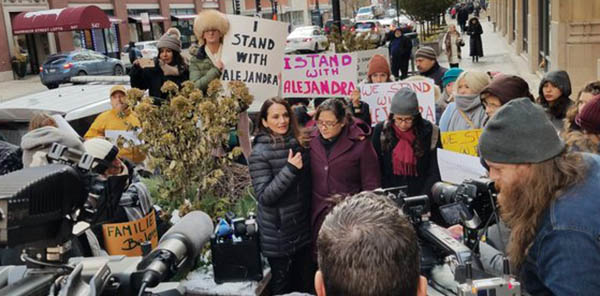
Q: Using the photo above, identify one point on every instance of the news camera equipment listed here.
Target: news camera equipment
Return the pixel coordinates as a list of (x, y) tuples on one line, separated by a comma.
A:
[(504, 285), (471, 203), (438, 246), (235, 250)]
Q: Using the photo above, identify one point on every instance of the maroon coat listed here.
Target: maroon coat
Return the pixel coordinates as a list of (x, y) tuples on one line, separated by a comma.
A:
[(351, 167)]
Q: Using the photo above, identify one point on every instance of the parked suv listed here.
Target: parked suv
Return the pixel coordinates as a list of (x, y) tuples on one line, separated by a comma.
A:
[(373, 30), (60, 67)]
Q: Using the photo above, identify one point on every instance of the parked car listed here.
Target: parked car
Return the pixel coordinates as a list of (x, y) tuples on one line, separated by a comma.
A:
[(147, 48), (77, 104), (372, 29), (388, 24), (370, 12), (346, 25), (59, 68), (309, 38)]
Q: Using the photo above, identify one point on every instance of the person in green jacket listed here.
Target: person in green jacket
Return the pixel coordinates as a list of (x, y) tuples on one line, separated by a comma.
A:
[(210, 26)]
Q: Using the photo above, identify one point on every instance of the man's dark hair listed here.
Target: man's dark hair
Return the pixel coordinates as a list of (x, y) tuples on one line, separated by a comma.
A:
[(367, 247)]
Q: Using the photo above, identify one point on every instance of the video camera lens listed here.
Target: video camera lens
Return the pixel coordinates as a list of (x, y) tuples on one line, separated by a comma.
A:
[(443, 193)]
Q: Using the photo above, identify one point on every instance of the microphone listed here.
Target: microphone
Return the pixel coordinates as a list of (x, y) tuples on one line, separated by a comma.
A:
[(178, 247)]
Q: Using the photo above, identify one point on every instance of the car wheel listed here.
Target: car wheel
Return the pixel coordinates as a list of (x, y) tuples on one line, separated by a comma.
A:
[(51, 85), (80, 73), (118, 71)]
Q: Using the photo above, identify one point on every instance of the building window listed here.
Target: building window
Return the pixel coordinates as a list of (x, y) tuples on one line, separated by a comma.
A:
[(544, 34), (525, 9), (185, 26)]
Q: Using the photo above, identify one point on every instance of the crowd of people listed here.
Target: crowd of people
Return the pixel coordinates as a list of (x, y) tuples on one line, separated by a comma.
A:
[(313, 165)]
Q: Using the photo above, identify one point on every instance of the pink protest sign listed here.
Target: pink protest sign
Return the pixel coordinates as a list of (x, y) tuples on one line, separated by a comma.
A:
[(379, 97), (319, 75)]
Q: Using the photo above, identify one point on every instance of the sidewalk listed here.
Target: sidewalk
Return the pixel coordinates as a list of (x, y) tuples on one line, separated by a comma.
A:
[(498, 56), (16, 88)]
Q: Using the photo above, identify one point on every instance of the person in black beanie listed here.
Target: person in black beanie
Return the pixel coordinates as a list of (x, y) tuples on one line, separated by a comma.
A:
[(548, 198), (554, 92)]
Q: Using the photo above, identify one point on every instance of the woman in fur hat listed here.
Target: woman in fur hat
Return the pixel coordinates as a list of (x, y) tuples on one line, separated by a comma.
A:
[(206, 65), (168, 66)]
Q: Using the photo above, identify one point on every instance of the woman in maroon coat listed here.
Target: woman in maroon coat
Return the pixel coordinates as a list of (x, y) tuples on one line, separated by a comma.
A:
[(342, 159)]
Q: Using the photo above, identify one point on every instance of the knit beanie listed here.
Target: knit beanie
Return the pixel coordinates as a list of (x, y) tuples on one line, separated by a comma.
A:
[(426, 52), (520, 133), (103, 151), (507, 87), (405, 102), (589, 117), (450, 76), (170, 40), (378, 64)]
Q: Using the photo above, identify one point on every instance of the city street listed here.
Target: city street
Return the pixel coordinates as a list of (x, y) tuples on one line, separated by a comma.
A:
[(16, 88)]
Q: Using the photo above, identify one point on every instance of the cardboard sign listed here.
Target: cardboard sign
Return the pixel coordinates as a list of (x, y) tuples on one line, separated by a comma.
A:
[(364, 56), (126, 238), (465, 142), (379, 97), (319, 75), (253, 52), (457, 167)]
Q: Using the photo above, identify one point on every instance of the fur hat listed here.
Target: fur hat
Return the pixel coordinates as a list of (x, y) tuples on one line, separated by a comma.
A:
[(378, 64), (170, 40), (210, 19)]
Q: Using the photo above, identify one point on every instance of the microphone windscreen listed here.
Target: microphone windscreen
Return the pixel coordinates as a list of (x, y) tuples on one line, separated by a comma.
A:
[(196, 226)]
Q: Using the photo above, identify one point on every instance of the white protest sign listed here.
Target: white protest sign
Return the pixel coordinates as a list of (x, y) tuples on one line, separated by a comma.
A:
[(253, 52), (319, 75), (364, 56), (456, 167), (379, 97)]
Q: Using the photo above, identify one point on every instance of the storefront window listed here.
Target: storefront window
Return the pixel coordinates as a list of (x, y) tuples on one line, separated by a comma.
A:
[(186, 27), (135, 28)]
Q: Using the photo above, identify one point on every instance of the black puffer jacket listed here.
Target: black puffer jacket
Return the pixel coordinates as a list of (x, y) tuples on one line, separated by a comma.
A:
[(153, 79), (283, 193)]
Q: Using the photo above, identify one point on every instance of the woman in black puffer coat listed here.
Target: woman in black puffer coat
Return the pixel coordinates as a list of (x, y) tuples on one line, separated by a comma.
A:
[(280, 176)]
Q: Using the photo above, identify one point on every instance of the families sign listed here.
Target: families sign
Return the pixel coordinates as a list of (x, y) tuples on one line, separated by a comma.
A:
[(253, 52), (126, 238), (319, 75), (379, 97), (465, 142)]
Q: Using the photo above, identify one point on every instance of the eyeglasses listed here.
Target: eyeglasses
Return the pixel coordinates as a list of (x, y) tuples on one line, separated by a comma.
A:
[(403, 120), (327, 124), (487, 105)]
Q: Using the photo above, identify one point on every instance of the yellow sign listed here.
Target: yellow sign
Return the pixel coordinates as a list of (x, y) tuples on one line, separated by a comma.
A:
[(127, 238), (465, 142)]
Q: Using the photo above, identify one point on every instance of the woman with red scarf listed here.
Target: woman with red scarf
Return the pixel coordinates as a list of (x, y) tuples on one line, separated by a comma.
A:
[(406, 145)]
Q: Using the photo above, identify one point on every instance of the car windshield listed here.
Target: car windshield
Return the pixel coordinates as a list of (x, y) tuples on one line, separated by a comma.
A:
[(303, 32), (362, 26), (56, 59), (365, 10)]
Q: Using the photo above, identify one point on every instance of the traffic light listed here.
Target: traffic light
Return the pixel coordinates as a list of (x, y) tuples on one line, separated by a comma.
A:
[(236, 7), (258, 10)]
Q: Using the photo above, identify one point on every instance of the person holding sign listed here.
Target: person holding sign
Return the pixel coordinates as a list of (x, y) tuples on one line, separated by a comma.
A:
[(279, 169), (206, 65), (378, 72), (168, 66), (466, 112), (406, 145), (342, 159)]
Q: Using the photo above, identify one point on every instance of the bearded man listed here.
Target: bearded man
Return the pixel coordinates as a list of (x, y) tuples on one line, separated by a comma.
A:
[(548, 197)]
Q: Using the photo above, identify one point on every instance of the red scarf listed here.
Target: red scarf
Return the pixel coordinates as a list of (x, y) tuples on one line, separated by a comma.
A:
[(403, 155)]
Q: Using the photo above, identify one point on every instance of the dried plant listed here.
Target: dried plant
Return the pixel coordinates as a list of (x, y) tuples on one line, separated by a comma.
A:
[(349, 41), (185, 139)]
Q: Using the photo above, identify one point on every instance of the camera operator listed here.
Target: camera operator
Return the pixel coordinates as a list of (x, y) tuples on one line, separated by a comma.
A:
[(548, 198), (366, 247)]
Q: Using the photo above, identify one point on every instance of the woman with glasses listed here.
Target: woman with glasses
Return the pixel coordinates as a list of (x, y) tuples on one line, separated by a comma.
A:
[(406, 146), (342, 159), (279, 169), (501, 90)]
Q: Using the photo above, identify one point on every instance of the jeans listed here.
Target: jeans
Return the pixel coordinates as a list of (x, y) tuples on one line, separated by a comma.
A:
[(293, 274)]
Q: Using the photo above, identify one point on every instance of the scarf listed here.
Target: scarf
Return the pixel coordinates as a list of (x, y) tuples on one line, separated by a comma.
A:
[(167, 69), (467, 102), (403, 157), (214, 57)]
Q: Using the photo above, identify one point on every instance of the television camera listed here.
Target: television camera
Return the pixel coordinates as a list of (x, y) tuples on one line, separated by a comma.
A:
[(40, 209), (468, 204)]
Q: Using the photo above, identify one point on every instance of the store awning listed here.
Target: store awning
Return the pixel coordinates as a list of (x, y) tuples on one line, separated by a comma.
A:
[(58, 20), (183, 17), (153, 18)]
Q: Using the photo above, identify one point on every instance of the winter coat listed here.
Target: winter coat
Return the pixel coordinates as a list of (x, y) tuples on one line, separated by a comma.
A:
[(400, 47), (436, 73), (202, 70), (462, 15), (350, 167), (362, 112), (35, 144), (472, 109), (427, 167), (475, 44), (453, 56), (283, 194), (153, 79), (10, 158), (110, 120), (134, 54), (558, 111)]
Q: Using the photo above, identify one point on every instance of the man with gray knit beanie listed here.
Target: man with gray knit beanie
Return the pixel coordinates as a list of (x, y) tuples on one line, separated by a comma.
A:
[(426, 61), (549, 199)]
